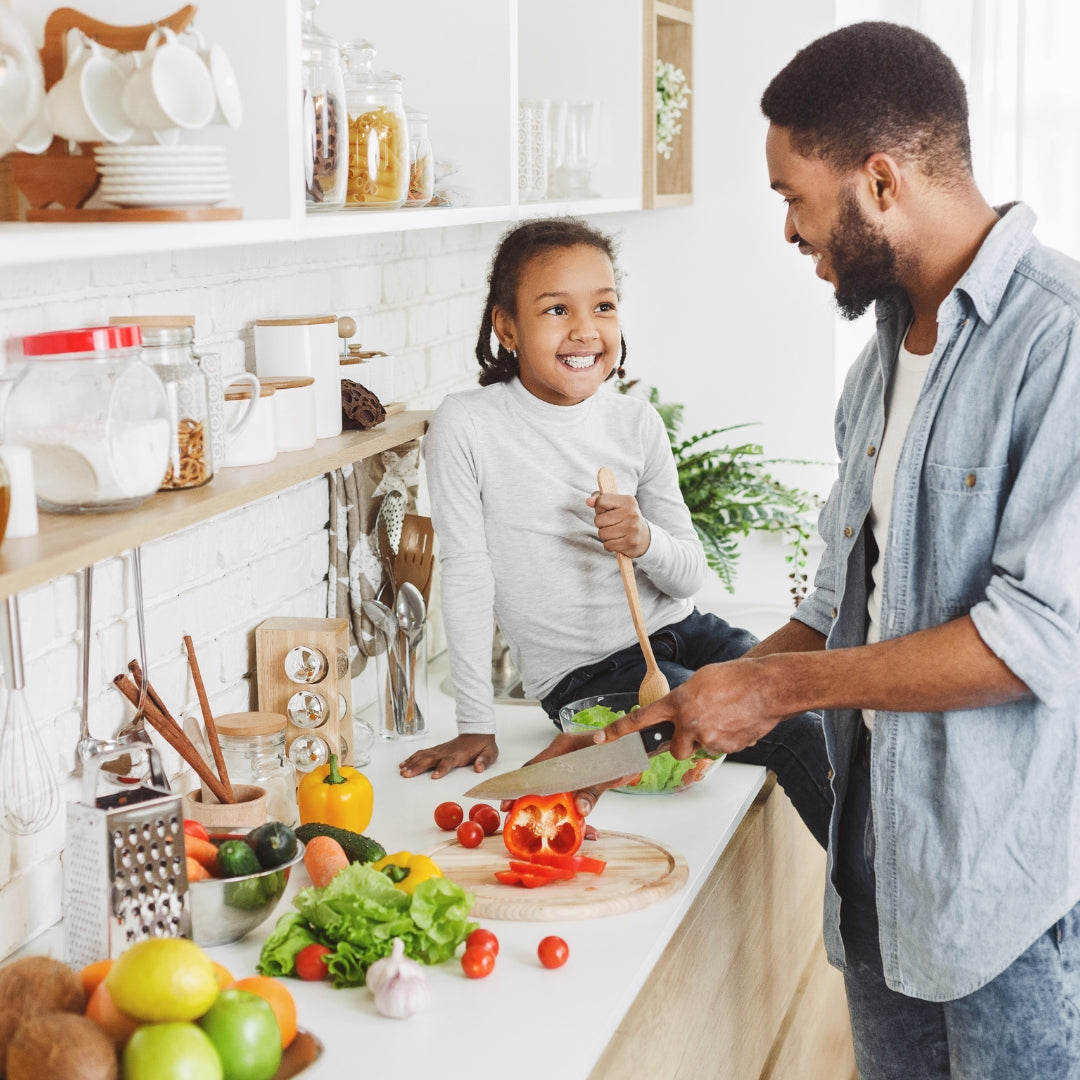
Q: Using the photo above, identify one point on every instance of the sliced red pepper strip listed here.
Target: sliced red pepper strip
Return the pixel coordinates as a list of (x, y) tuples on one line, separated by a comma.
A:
[(543, 825), (552, 873), (530, 881), (570, 862)]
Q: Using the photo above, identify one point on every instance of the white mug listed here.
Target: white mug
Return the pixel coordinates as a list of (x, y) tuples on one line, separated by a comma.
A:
[(170, 86), (228, 108), (85, 105), (251, 433)]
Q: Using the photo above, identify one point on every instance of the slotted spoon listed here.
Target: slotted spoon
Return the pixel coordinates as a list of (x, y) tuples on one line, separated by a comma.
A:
[(655, 685), (415, 555)]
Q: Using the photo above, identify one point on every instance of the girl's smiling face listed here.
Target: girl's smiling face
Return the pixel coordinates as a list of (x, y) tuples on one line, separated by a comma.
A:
[(566, 327)]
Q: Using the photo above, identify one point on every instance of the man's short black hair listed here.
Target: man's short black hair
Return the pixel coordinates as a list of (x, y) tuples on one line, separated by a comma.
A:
[(874, 87)]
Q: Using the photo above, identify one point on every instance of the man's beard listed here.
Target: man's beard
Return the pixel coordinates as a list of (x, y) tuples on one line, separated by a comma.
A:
[(863, 260)]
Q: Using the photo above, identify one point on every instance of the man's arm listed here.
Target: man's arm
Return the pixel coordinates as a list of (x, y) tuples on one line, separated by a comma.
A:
[(725, 707)]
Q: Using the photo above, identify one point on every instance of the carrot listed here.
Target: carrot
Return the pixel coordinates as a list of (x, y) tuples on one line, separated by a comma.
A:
[(204, 853), (196, 871), (323, 858)]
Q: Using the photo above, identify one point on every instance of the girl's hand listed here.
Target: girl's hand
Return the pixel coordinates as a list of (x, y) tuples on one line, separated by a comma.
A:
[(619, 524), (479, 751)]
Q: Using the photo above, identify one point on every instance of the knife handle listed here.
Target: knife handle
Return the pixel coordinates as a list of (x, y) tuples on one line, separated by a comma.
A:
[(654, 737)]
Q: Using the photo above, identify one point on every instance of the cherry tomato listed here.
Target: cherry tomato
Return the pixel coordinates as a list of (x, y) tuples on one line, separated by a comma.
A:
[(448, 816), (196, 829), (553, 952), (469, 834), (478, 961), (487, 817), (311, 964), (483, 939)]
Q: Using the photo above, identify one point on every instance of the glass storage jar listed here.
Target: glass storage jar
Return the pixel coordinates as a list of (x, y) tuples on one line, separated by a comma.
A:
[(167, 348), (378, 132), (94, 416), (253, 746), (325, 133), (421, 162)]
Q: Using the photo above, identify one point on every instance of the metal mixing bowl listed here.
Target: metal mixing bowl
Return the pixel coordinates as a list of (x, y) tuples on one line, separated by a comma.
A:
[(223, 910)]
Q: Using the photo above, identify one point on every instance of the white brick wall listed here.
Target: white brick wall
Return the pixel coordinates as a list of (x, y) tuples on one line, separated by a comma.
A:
[(416, 295)]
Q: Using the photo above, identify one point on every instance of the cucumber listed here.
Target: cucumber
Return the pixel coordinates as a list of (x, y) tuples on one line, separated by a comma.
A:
[(273, 843), (235, 858), (357, 846)]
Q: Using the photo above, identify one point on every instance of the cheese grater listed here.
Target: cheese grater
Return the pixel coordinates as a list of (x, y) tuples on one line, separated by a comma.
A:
[(124, 872)]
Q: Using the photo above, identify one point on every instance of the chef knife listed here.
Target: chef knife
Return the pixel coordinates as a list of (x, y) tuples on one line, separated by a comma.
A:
[(597, 764)]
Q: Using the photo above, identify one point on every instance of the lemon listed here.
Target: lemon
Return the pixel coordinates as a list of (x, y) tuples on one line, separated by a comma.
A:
[(163, 979)]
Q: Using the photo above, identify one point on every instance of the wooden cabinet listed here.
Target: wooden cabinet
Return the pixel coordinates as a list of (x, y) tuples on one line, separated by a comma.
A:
[(743, 990)]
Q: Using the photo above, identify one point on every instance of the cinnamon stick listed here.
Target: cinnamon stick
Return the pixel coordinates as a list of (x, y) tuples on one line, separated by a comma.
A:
[(208, 718), (151, 693), (175, 737)]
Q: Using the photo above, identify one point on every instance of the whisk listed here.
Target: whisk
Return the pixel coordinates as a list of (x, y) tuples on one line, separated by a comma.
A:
[(29, 790)]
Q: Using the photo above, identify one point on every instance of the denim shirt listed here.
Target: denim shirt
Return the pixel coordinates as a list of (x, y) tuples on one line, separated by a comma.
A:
[(976, 812)]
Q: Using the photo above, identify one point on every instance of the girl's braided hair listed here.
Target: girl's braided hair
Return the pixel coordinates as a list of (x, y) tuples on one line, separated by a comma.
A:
[(517, 246)]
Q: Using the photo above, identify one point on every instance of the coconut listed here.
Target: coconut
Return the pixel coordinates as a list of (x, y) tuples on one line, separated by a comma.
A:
[(34, 986), (61, 1044)]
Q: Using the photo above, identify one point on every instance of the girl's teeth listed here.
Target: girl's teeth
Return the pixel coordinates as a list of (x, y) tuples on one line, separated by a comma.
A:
[(578, 361)]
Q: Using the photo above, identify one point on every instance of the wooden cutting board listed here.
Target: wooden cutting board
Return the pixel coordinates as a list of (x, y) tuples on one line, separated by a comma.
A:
[(639, 872)]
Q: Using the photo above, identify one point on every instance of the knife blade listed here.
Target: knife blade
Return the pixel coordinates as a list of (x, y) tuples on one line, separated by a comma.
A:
[(595, 764)]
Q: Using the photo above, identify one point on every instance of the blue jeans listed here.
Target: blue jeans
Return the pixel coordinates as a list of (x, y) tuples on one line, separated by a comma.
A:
[(1022, 1025), (794, 749)]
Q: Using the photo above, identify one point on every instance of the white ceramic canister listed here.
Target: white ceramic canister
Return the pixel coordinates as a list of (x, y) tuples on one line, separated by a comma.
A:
[(294, 411), (308, 344), (256, 442)]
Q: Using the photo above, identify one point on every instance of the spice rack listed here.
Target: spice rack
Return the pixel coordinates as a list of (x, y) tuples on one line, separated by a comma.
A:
[(669, 35)]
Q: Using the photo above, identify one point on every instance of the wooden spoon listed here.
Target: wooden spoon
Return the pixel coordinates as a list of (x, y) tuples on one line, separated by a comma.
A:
[(655, 685)]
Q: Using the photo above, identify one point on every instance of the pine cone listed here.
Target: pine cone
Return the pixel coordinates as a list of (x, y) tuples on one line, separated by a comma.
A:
[(360, 408)]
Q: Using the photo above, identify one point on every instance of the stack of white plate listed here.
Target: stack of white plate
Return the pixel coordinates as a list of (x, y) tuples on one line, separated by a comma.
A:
[(163, 176)]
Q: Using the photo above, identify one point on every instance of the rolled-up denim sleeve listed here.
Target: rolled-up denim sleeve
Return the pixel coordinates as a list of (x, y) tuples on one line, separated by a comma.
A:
[(1030, 616)]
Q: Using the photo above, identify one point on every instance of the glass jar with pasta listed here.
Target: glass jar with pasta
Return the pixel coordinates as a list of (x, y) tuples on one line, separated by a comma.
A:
[(378, 133)]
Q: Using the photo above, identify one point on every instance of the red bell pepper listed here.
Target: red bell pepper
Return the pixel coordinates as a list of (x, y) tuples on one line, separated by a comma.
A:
[(552, 873), (570, 862), (530, 881), (543, 825)]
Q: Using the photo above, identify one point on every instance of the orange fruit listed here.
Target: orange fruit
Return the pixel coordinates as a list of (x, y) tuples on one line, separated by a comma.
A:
[(281, 1001), (117, 1025), (224, 976), (92, 974)]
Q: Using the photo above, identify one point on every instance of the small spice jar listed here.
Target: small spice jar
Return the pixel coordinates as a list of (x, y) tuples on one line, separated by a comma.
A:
[(94, 416), (421, 161), (294, 411), (253, 745)]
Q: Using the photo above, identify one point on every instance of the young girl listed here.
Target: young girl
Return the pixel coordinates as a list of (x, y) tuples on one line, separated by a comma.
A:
[(524, 536)]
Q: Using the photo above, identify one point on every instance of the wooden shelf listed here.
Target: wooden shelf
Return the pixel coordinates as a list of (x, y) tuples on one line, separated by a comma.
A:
[(669, 35), (66, 543)]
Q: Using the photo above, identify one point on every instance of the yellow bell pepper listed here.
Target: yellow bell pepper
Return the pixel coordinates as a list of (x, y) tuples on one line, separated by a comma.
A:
[(336, 795), (416, 868)]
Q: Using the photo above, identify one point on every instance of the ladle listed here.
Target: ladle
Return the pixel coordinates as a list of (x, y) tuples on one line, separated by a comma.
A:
[(411, 612), (655, 685)]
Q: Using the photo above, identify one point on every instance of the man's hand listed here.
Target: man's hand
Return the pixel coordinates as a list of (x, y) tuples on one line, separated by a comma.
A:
[(585, 799), (619, 524), (479, 751)]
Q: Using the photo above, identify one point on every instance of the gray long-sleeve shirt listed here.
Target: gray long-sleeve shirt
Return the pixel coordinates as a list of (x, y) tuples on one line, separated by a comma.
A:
[(508, 476)]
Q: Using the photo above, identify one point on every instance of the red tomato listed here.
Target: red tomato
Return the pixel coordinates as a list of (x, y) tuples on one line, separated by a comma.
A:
[(478, 961), (469, 834), (311, 962), (195, 828), (448, 816), (483, 939), (487, 817), (553, 952)]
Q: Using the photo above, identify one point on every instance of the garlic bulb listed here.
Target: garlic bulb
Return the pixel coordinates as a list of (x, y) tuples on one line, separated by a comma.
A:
[(398, 985)]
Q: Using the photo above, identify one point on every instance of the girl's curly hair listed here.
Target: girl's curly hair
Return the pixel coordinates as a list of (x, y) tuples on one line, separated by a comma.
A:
[(517, 246)]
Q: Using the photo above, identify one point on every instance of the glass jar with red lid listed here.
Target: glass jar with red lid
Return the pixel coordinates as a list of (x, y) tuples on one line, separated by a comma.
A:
[(94, 416)]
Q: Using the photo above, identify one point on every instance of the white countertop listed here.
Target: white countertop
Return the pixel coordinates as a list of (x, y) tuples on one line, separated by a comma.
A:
[(522, 1020)]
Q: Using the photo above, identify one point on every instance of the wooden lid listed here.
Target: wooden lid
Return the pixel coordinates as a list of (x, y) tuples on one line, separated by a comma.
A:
[(242, 391), (248, 724), (287, 382), (297, 320), (152, 320)]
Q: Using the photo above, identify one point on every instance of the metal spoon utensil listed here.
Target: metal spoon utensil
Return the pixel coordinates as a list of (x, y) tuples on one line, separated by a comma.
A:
[(388, 523), (655, 685), (387, 625), (411, 611)]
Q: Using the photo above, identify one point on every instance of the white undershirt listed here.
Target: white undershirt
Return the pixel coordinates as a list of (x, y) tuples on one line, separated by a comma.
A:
[(904, 389)]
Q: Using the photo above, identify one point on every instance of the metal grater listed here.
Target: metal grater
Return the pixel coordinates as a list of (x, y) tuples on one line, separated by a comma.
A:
[(124, 872)]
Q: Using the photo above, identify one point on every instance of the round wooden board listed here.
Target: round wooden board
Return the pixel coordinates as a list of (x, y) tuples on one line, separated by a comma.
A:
[(639, 872)]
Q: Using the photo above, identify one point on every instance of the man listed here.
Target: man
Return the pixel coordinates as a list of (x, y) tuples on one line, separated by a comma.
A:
[(942, 636)]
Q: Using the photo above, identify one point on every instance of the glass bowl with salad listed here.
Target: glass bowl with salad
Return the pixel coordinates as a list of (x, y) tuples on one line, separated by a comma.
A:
[(665, 774)]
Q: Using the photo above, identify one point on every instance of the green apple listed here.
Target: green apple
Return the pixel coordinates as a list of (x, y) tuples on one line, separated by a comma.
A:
[(245, 1033), (173, 1051)]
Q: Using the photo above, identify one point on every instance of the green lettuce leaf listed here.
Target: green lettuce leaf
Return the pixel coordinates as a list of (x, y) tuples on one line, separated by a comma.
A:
[(289, 936)]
